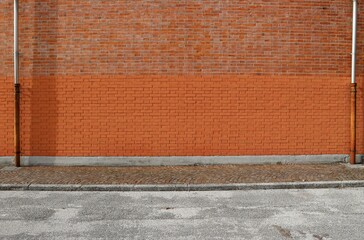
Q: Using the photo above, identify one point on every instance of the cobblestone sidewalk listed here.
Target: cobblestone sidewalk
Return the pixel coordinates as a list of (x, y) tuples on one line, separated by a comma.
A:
[(218, 174)]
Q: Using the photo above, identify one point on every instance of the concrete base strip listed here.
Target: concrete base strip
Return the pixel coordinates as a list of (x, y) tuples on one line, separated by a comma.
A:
[(175, 160), (182, 187), (6, 161)]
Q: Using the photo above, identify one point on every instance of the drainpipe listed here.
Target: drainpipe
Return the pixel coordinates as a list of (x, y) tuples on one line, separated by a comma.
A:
[(353, 87), (16, 88)]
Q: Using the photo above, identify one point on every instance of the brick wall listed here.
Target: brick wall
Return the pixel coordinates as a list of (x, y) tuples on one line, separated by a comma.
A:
[(168, 77)]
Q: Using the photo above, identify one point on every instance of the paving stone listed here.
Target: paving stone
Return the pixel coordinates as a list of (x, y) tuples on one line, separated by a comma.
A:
[(210, 174)]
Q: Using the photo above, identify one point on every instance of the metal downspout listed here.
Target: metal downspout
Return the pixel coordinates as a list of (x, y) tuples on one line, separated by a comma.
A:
[(16, 88), (353, 86)]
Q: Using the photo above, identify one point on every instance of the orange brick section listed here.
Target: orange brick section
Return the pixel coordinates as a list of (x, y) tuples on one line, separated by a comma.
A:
[(168, 77), (6, 116), (186, 115)]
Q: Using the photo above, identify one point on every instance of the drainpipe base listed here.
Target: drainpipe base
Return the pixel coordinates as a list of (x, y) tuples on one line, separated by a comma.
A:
[(17, 125), (353, 124)]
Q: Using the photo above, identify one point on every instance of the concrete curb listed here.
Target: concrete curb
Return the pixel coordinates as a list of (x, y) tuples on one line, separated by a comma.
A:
[(181, 187), (175, 160)]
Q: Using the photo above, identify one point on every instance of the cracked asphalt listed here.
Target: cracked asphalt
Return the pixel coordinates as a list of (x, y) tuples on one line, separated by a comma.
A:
[(259, 214)]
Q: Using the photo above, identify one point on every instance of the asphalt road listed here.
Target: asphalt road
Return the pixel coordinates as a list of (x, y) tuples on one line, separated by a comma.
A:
[(263, 214)]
